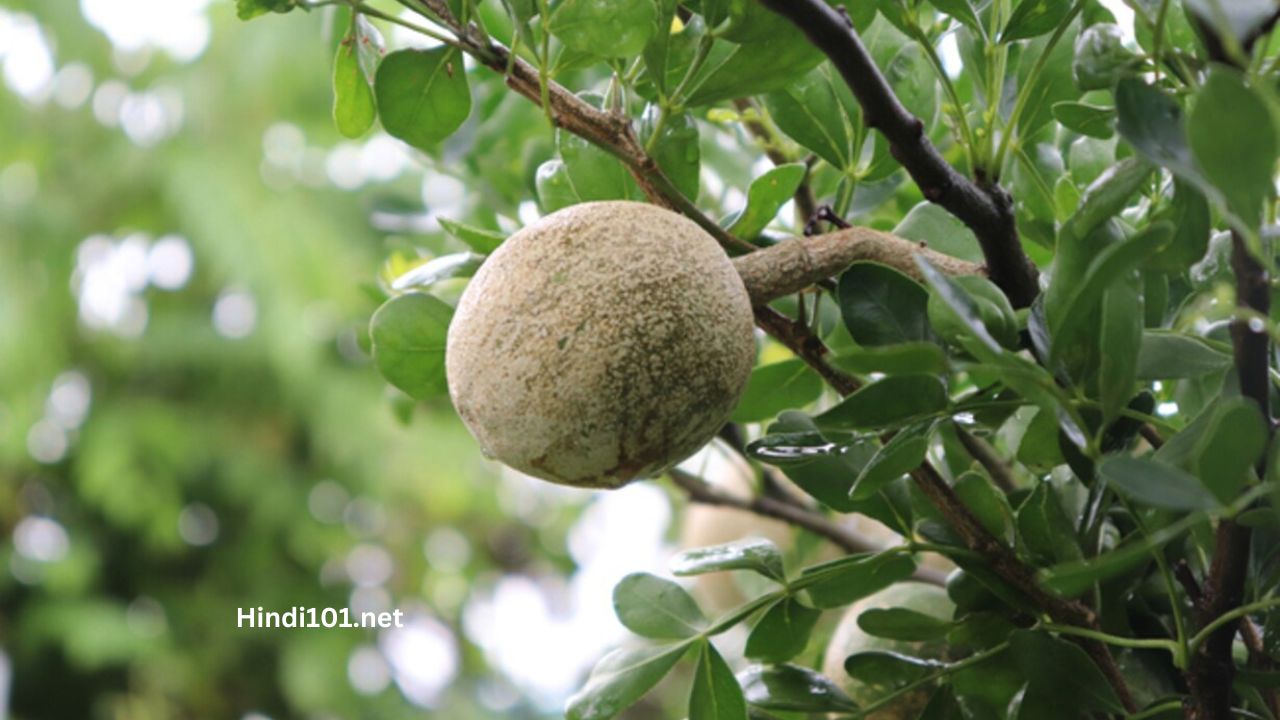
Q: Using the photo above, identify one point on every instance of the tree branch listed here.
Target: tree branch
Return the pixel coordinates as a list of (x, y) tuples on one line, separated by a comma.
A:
[(1212, 668), (986, 209), (793, 265), (797, 338), (703, 492)]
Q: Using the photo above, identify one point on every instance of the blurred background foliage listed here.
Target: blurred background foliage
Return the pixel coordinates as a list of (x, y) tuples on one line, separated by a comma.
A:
[(189, 421)]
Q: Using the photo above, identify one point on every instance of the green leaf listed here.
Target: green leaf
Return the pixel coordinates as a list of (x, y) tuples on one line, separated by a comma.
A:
[(1170, 355), (479, 239), (621, 678), (1188, 212), (1045, 528), (1237, 150), (904, 452), (1063, 673), (755, 554), (592, 172), (766, 196), (961, 10), (891, 670), (811, 110), (1055, 82), (1092, 120), (1105, 198), (1118, 345), (353, 108), (555, 191), (675, 150), (741, 70), (791, 688), (463, 264), (1107, 268), (1034, 17), (854, 577), (614, 29), (820, 472), (888, 402), (900, 359), (988, 504), (658, 51), (1157, 484), (777, 387), (1153, 124), (963, 309), (782, 632), (932, 224), (881, 306), (653, 607), (408, 334), (716, 694), (1232, 444), (249, 9), (903, 624), (423, 95)]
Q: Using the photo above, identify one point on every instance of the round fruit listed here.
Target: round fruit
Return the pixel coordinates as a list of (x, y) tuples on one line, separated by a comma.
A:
[(850, 639), (603, 343)]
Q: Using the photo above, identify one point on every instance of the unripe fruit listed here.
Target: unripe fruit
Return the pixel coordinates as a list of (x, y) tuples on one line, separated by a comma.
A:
[(850, 639), (603, 343)]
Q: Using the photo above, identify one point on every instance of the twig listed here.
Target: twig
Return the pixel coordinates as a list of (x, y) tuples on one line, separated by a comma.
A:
[(797, 337), (1212, 668), (989, 459), (703, 492), (986, 209)]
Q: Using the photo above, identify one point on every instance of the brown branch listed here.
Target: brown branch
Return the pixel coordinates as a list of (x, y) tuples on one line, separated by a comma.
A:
[(1212, 668), (797, 337), (989, 459), (1004, 563), (703, 492), (987, 209), (793, 265)]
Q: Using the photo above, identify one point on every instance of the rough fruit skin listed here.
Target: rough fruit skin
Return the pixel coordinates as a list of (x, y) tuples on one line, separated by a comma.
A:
[(849, 639), (603, 343)]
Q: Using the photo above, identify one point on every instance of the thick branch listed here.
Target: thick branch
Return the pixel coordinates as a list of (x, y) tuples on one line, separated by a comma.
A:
[(793, 265), (987, 210), (1212, 668), (700, 491)]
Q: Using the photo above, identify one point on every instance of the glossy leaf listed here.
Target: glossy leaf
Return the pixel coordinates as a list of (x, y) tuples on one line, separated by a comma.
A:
[(1153, 123), (1119, 340), (1063, 673), (881, 306), (764, 66), (1157, 484), (408, 334), (813, 467), (886, 403), (716, 694), (843, 581), (653, 607), (353, 104), (782, 632), (479, 239), (1034, 17), (1169, 356), (423, 95), (897, 457), (940, 230), (766, 196), (463, 264), (811, 111), (618, 28), (1044, 527), (1233, 442), (1236, 150), (1091, 120), (622, 678), (791, 688), (961, 10), (889, 670), (675, 149), (755, 554), (777, 387), (900, 359), (903, 624)]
